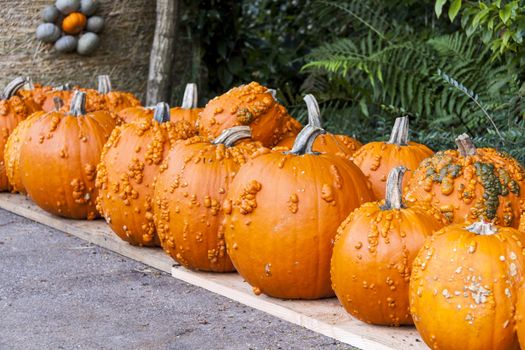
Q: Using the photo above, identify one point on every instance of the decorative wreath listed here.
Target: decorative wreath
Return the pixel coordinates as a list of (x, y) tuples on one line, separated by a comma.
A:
[(71, 25)]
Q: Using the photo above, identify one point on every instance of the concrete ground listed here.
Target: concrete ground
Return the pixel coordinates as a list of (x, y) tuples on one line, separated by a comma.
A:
[(59, 292)]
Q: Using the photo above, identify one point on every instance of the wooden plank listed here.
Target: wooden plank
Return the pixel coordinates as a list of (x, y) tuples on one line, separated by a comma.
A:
[(96, 232), (325, 316)]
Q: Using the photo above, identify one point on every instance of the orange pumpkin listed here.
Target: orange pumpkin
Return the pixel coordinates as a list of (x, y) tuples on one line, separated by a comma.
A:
[(383, 237), (129, 165), (470, 184), (520, 316), (188, 198), (74, 23), (341, 145), (464, 287), (376, 159), (13, 145), (13, 109), (282, 213), (188, 111), (253, 105), (59, 157), (131, 114), (114, 101)]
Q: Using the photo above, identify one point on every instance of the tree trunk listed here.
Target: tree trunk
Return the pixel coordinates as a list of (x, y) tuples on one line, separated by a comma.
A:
[(159, 77)]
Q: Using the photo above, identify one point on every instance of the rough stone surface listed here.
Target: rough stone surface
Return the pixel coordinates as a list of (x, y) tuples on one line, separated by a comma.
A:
[(59, 292)]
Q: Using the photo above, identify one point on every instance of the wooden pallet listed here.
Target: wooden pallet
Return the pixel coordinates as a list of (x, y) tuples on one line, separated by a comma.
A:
[(326, 316)]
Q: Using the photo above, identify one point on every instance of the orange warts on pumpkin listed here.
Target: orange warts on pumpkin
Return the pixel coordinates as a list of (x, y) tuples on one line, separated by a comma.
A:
[(385, 237)]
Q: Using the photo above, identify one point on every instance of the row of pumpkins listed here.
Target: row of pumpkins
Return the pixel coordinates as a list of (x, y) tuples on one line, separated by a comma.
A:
[(298, 212)]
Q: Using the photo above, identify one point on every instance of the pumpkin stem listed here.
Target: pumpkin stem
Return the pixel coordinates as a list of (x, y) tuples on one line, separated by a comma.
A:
[(394, 189), (314, 114), (191, 96), (58, 103), (12, 87), (483, 228), (273, 92), (63, 87), (78, 104), (229, 137), (465, 145), (104, 84), (29, 84), (161, 112), (305, 140), (399, 135)]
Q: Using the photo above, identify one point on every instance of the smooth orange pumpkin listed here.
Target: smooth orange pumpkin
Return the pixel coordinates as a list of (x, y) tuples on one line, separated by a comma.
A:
[(470, 184), (253, 105), (74, 23), (282, 214), (13, 109), (464, 287), (376, 159), (189, 193), (373, 254), (188, 111), (128, 167), (59, 157)]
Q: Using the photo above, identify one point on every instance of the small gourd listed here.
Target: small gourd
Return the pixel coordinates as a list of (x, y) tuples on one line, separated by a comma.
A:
[(67, 43), (67, 6), (87, 43), (48, 32), (95, 24)]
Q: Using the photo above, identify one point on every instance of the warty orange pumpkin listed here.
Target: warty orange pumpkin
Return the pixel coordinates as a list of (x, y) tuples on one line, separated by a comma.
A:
[(520, 316), (282, 213), (188, 111), (253, 105), (114, 101), (128, 167), (373, 254), (13, 109), (470, 184), (376, 159), (189, 194), (59, 157), (339, 144), (13, 145), (464, 287)]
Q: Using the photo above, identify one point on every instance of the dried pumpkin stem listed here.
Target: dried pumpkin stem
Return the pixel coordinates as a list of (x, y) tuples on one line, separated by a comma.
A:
[(58, 103), (104, 84), (63, 87), (161, 112), (314, 114), (29, 84), (273, 92), (191, 96), (399, 135), (483, 228), (12, 87), (229, 137), (305, 140), (78, 104), (394, 189), (465, 145)]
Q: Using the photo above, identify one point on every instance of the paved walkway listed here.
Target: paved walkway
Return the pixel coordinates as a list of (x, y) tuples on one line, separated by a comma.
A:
[(59, 292)]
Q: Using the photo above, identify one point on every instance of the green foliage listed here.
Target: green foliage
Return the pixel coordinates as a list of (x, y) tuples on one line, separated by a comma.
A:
[(500, 24), (447, 82), (368, 62)]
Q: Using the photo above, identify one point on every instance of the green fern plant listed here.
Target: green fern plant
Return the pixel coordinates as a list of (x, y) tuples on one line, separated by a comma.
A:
[(383, 67)]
